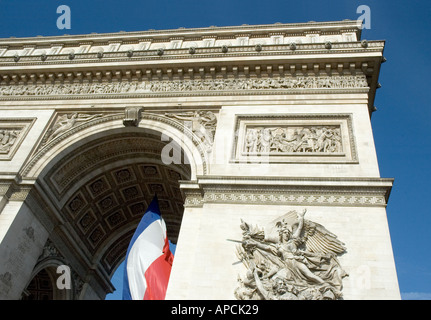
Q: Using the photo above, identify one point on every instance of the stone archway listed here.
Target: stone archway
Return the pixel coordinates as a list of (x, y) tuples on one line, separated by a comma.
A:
[(44, 285), (41, 287), (92, 195)]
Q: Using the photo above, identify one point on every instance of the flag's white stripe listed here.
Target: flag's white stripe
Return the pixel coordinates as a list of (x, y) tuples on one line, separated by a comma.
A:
[(147, 248)]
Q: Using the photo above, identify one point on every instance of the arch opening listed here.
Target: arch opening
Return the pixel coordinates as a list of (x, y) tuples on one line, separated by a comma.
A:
[(97, 190), (40, 287), (47, 285)]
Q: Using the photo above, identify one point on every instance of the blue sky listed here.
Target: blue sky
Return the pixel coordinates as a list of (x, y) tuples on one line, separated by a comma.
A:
[(401, 123)]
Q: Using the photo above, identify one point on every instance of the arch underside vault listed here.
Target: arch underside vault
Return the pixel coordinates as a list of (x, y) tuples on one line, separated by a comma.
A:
[(95, 193)]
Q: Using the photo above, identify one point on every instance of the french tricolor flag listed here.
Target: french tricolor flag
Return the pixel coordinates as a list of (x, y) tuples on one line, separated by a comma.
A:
[(148, 259)]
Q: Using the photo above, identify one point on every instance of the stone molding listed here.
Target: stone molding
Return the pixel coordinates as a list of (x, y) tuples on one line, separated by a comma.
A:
[(303, 28), (106, 66), (285, 191), (14, 191), (198, 53), (131, 45)]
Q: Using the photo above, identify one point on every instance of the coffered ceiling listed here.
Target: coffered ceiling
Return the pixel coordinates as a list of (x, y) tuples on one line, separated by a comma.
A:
[(102, 189)]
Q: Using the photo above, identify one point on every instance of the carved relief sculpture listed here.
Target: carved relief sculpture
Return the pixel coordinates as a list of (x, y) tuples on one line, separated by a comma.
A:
[(290, 259), (66, 122), (155, 86), (13, 131), (7, 139), (320, 139), (201, 123), (310, 82)]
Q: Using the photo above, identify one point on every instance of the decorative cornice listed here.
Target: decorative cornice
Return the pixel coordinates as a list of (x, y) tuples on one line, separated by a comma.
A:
[(288, 191), (301, 49), (287, 28), (284, 50), (14, 191)]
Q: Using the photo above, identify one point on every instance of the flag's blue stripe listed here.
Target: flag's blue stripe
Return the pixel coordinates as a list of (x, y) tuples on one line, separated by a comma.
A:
[(172, 247)]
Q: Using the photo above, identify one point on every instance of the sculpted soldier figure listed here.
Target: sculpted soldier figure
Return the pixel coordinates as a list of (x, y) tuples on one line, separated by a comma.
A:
[(292, 258)]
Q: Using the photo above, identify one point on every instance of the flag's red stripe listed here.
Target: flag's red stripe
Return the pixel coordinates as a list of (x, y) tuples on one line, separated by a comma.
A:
[(157, 275)]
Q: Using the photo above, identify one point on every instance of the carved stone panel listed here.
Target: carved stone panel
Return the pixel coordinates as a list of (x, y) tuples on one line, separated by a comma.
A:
[(202, 123), (184, 86), (12, 133), (290, 259), (65, 122), (294, 138)]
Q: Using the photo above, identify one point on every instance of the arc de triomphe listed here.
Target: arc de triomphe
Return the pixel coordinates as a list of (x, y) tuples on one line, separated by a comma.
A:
[(256, 139)]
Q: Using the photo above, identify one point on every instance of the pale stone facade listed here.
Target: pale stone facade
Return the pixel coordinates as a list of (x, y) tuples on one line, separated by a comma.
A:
[(224, 123)]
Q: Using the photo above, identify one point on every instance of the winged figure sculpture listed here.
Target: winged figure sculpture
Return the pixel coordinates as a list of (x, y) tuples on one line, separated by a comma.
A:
[(291, 258)]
